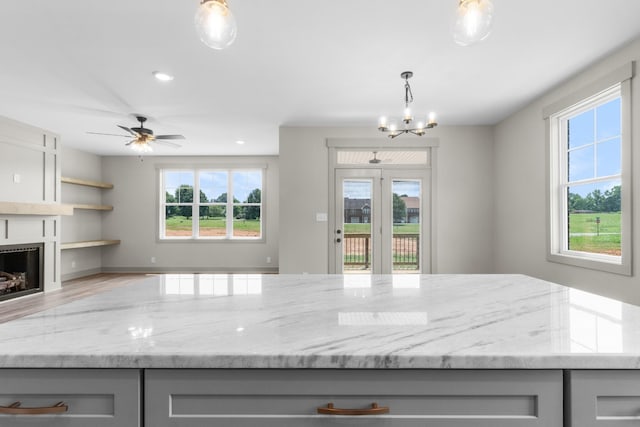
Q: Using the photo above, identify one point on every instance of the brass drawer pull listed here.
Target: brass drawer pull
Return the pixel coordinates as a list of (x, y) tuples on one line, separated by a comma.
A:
[(16, 409), (374, 410)]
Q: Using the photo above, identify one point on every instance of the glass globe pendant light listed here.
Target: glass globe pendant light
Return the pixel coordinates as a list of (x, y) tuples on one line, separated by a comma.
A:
[(473, 21), (216, 24)]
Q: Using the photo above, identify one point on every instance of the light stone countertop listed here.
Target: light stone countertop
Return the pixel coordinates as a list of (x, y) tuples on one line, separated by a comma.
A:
[(330, 321)]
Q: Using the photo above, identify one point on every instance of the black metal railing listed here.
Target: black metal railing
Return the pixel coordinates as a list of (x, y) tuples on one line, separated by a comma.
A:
[(405, 251), (357, 251)]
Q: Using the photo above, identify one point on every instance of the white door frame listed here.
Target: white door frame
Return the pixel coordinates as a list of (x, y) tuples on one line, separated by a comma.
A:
[(429, 264)]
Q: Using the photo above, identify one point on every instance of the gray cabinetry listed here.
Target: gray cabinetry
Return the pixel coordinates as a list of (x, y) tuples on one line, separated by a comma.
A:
[(94, 397), (288, 398), (603, 398)]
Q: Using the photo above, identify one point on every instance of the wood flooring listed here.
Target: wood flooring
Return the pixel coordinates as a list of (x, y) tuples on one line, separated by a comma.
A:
[(71, 291)]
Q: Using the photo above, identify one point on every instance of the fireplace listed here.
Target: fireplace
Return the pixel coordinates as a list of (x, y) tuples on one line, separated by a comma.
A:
[(21, 271)]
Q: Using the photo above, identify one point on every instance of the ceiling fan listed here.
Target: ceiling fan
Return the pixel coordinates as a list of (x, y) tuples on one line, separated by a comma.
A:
[(142, 137)]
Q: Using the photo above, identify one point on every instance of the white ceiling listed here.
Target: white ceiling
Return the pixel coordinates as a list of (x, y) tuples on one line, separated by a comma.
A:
[(73, 66)]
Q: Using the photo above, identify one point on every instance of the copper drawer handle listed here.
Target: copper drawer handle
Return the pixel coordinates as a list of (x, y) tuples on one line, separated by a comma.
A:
[(16, 409), (374, 410)]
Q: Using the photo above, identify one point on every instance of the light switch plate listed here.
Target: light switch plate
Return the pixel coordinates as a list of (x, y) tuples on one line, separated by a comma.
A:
[(322, 217)]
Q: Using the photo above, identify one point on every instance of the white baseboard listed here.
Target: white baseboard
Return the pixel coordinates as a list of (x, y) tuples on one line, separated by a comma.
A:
[(217, 270), (79, 274)]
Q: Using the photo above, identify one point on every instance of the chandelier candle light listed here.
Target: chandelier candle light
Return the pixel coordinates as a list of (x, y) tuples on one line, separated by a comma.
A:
[(215, 24), (419, 128)]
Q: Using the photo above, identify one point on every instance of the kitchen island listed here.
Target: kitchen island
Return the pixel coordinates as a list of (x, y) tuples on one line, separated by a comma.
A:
[(506, 349)]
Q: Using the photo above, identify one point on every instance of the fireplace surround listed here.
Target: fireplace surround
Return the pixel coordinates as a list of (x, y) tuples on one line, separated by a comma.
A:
[(21, 270)]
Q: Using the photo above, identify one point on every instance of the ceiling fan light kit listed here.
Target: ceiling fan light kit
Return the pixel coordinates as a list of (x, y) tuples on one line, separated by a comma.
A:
[(140, 146), (142, 137), (473, 21), (419, 129), (215, 24)]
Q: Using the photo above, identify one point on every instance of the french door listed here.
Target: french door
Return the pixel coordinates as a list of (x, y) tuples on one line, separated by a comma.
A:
[(381, 221)]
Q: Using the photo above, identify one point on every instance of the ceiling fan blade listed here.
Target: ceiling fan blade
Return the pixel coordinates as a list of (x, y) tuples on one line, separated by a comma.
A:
[(167, 143), (109, 134), (136, 134), (170, 137), (130, 142)]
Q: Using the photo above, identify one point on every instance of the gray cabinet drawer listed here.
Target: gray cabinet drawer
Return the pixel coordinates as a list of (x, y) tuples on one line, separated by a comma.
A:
[(603, 398), (288, 398), (95, 397)]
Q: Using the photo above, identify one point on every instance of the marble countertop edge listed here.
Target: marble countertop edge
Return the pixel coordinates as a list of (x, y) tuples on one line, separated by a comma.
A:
[(480, 362)]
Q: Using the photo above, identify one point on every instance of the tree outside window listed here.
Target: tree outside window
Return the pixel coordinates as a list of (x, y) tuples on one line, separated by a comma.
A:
[(211, 208)]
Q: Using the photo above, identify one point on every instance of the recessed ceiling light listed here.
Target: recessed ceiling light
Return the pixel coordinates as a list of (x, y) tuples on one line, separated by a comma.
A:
[(163, 77), (240, 142)]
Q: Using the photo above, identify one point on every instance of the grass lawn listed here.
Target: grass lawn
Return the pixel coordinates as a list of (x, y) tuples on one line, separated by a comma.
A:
[(181, 223), (586, 222), (366, 228), (584, 229)]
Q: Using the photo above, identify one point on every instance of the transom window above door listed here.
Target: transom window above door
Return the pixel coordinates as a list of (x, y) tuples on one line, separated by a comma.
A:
[(387, 157)]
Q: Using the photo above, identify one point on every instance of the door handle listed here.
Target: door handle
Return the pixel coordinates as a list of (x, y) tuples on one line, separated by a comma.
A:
[(338, 240)]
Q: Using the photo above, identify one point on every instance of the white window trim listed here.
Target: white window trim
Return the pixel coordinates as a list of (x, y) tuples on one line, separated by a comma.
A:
[(195, 237), (557, 203)]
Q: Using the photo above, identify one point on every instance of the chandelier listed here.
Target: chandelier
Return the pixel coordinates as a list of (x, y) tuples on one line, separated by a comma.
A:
[(215, 24), (473, 21), (419, 128)]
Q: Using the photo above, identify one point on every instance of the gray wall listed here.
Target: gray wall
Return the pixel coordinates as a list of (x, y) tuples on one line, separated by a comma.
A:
[(84, 224), (29, 173), (463, 209), (134, 220), (520, 195)]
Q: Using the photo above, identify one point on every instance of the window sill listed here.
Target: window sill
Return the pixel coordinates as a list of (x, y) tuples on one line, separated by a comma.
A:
[(612, 266), (211, 240)]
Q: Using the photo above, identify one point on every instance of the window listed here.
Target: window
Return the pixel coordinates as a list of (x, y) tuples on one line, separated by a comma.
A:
[(589, 184), (228, 204)]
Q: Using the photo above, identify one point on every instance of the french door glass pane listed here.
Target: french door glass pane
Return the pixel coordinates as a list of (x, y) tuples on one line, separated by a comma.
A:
[(594, 220), (357, 242), (405, 246), (178, 221), (213, 221)]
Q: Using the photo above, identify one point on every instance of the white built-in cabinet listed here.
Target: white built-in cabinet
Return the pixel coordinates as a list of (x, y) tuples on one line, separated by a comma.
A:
[(92, 207)]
